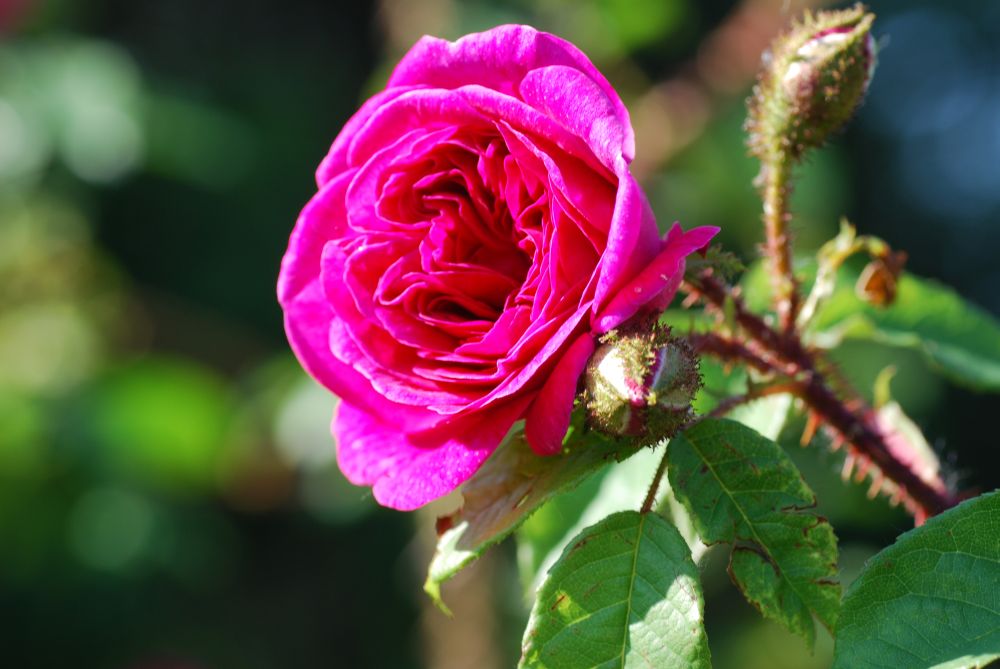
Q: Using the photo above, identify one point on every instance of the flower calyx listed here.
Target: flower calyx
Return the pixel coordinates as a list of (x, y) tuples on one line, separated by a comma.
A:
[(640, 382)]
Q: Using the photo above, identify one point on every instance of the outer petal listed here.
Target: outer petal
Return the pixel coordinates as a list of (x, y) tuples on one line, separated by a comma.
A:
[(309, 315), (409, 469), (335, 161), (470, 105), (415, 109), (662, 275), (307, 325), (578, 103), (633, 240), (674, 236), (500, 59), (322, 219), (548, 418)]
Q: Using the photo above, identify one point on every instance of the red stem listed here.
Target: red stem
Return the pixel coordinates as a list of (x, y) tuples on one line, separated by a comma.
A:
[(793, 359), (728, 349)]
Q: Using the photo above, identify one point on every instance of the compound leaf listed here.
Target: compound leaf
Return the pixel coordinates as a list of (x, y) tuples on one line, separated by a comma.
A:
[(742, 489), (625, 593)]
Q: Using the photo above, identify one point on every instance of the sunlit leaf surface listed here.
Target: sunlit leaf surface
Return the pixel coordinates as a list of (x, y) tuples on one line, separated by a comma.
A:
[(741, 488), (625, 593), (512, 484)]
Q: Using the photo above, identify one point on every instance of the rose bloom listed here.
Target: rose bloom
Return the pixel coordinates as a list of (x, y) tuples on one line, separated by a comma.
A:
[(476, 229)]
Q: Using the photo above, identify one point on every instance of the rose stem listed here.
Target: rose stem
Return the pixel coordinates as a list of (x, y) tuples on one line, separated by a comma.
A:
[(654, 487), (775, 191), (791, 356), (725, 348)]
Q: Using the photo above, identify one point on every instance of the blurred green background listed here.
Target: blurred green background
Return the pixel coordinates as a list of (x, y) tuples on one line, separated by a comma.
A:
[(168, 492)]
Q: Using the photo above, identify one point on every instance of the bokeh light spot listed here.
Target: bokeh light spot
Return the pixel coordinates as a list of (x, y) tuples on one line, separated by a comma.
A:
[(109, 528)]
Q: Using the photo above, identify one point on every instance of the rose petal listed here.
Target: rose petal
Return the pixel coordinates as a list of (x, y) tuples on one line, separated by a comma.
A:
[(522, 116), (361, 343), (659, 277), (388, 367), (633, 241), (415, 110), (472, 106), (578, 103), (307, 325), (363, 191), (322, 219), (500, 59), (588, 196), (529, 371), (697, 242), (335, 161), (549, 415), (409, 468)]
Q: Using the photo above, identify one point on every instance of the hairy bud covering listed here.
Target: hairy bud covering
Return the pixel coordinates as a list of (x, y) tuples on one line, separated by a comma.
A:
[(817, 76), (641, 383)]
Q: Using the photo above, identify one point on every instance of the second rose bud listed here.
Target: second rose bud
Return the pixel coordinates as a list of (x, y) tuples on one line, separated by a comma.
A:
[(641, 382)]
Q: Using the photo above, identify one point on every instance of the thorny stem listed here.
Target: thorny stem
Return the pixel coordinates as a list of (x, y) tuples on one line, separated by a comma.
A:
[(850, 421), (654, 487), (725, 348), (776, 191), (788, 347)]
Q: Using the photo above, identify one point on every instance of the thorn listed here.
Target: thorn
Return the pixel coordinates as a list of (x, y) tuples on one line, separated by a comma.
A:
[(812, 423), (864, 464), (845, 473), (876, 487)]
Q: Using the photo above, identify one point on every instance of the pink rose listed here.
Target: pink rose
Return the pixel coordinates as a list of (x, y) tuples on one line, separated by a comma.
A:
[(476, 228)]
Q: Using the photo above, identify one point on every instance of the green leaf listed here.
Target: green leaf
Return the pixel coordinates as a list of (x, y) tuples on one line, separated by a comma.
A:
[(755, 284), (620, 487), (545, 534), (513, 483), (960, 339), (624, 594), (932, 599), (742, 489), (766, 415)]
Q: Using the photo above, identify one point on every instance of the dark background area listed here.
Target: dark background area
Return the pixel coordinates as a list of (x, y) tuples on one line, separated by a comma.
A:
[(168, 495)]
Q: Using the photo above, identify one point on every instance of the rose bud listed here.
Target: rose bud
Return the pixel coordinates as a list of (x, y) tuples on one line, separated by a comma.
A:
[(641, 384), (817, 76)]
